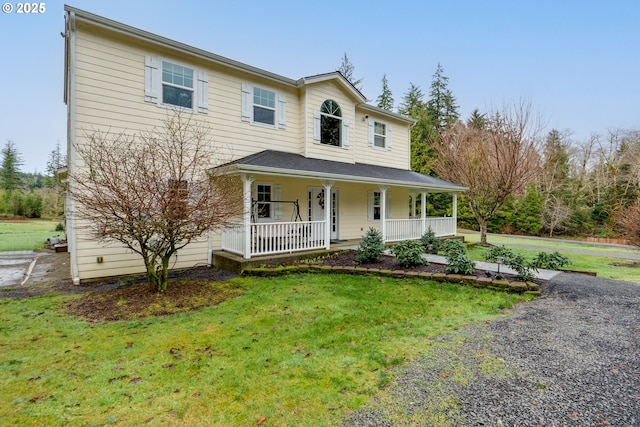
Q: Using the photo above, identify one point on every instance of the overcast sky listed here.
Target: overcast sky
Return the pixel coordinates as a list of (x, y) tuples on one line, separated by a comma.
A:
[(576, 61)]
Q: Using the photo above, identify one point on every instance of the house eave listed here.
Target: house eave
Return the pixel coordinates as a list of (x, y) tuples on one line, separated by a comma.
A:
[(129, 31), (239, 169)]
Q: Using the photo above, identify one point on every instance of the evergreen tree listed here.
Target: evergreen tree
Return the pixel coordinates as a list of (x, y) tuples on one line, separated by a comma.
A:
[(346, 69), (477, 120), (413, 105), (442, 106), (385, 100), (55, 162), (10, 172)]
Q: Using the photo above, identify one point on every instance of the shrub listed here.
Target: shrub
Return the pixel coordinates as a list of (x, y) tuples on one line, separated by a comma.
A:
[(372, 247), (409, 253), (457, 260), (429, 238), (492, 254), (59, 227), (511, 259), (550, 260), (521, 266)]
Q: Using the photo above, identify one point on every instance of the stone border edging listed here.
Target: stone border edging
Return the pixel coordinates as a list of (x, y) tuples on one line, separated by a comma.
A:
[(477, 281)]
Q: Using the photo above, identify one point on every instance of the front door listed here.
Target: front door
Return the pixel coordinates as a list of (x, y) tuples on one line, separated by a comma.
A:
[(316, 208)]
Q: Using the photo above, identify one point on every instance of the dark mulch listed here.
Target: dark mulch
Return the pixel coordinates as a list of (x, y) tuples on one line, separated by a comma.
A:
[(349, 258)]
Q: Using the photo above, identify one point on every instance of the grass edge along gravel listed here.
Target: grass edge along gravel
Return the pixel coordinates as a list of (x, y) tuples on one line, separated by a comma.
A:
[(297, 350)]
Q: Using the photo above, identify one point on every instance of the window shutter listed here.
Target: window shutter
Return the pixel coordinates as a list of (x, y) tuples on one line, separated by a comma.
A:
[(345, 133), (371, 132), (247, 102), (277, 196), (370, 205), (203, 92), (151, 78), (282, 111), (388, 147), (316, 127)]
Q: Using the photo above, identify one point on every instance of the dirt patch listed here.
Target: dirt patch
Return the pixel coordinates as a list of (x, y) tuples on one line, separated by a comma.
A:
[(125, 297), (634, 264), (139, 301)]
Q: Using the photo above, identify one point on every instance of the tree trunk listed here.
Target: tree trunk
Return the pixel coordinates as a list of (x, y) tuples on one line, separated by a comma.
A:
[(483, 232)]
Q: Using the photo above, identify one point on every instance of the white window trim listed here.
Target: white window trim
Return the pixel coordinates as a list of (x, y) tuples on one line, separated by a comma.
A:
[(153, 85), (371, 135), (280, 116), (275, 211), (317, 137), (370, 206)]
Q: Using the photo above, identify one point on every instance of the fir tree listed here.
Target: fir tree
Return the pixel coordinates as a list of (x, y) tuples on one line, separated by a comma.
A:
[(385, 100), (346, 69), (10, 172), (442, 106)]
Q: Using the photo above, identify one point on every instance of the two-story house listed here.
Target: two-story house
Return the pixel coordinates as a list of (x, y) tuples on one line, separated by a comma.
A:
[(318, 164)]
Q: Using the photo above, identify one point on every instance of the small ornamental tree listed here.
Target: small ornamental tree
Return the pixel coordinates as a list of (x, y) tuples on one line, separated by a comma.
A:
[(372, 247), (155, 191)]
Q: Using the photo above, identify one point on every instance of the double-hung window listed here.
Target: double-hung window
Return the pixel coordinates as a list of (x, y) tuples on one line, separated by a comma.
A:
[(375, 206), (379, 134), (177, 85), (263, 106), (263, 204), (170, 84)]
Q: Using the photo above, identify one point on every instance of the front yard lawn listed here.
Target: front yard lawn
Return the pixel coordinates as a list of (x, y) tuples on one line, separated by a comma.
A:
[(295, 350)]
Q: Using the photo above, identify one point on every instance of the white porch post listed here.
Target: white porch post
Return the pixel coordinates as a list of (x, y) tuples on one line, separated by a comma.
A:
[(423, 212), (327, 213), (454, 213), (383, 212), (246, 184)]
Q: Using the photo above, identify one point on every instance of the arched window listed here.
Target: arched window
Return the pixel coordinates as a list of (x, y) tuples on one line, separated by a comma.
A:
[(330, 123)]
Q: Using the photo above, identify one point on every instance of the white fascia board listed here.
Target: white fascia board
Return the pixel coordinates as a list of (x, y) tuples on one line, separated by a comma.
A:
[(382, 111), (290, 173)]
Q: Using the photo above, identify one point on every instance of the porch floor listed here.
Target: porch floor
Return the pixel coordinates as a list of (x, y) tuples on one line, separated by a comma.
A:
[(238, 264)]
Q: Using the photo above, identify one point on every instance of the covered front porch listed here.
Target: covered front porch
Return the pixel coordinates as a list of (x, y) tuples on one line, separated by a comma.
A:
[(287, 210)]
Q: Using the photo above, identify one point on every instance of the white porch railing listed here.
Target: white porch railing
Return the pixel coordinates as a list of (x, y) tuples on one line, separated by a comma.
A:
[(275, 237), (409, 229)]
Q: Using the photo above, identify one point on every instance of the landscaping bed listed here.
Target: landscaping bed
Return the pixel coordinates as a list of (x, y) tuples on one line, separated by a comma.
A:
[(347, 262)]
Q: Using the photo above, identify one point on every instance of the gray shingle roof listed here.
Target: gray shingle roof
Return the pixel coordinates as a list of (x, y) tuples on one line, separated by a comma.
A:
[(295, 165)]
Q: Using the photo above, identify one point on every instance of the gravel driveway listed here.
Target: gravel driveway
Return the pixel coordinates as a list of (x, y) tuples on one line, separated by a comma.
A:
[(569, 358)]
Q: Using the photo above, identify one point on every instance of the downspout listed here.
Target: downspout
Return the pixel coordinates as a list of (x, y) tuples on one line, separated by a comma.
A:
[(304, 127), (70, 96)]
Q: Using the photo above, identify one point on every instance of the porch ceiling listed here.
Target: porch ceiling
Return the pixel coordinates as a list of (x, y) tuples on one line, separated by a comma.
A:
[(293, 165)]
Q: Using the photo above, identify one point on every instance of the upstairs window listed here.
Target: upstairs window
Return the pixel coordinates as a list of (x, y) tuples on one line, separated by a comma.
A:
[(177, 85), (168, 84), (264, 106), (379, 135), (330, 123)]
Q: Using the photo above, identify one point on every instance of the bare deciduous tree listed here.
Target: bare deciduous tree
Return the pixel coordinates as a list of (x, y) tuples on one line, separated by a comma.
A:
[(493, 161), (629, 222), (154, 191)]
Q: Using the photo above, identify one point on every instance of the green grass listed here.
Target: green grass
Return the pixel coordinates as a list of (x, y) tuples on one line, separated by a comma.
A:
[(26, 235), (583, 256), (298, 350)]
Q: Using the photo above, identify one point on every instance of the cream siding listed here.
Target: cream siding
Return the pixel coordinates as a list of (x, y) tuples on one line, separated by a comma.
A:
[(316, 95), (398, 156), (110, 96)]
